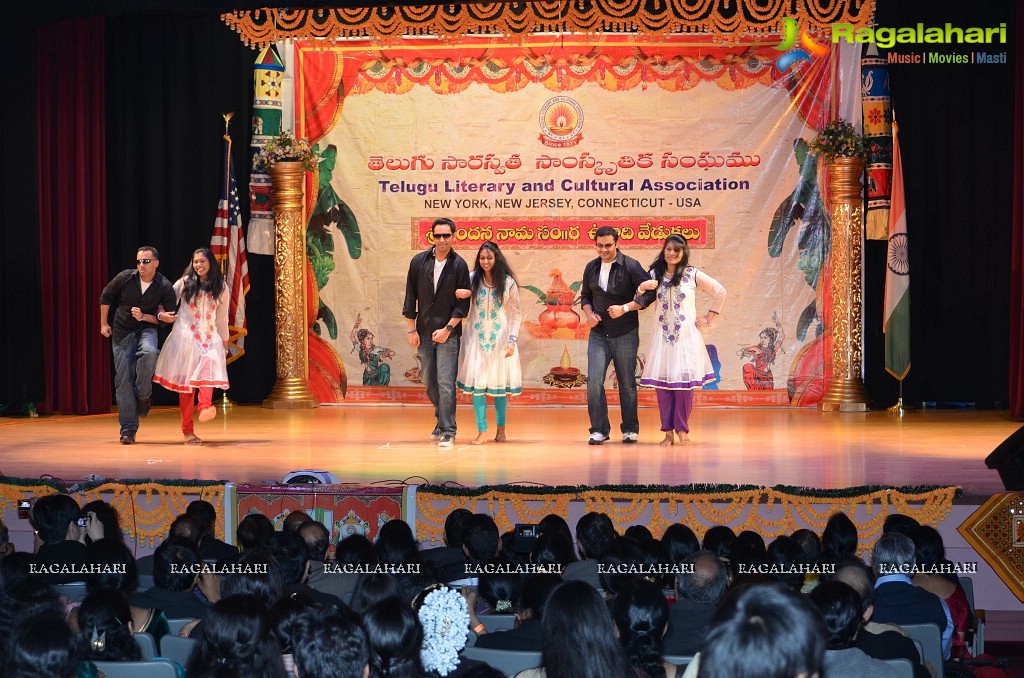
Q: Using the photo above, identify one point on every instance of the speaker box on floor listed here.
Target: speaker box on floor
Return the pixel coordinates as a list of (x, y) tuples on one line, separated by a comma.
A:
[(1008, 460)]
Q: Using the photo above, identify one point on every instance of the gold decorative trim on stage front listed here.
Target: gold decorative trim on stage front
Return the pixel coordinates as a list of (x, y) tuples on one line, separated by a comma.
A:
[(145, 510), (996, 531), (768, 511), (262, 27)]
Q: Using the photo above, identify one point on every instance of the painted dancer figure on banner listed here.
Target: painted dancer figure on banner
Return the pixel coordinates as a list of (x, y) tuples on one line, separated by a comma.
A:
[(678, 361), (757, 374), (376, 372), (489, 363), (194, 357), (138, 294), (607, 297), (434, 322)]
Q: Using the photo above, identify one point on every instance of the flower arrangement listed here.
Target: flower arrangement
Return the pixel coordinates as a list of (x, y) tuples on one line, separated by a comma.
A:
[(839, 139), (445, 619), (285, 147)]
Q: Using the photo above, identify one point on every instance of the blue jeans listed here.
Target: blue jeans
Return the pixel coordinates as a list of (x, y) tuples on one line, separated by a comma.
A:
[(134, 363), (440, 367), (621, 351)]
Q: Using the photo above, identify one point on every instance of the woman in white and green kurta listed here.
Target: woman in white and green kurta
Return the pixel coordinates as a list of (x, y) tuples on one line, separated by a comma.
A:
[(489, 362)]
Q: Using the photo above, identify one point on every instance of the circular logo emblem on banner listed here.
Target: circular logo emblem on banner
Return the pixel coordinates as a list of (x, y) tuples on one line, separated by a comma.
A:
[(561, 122)]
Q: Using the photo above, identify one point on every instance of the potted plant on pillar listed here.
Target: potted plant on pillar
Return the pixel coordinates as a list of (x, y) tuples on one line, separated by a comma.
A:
[(286, 158), (843, 149)]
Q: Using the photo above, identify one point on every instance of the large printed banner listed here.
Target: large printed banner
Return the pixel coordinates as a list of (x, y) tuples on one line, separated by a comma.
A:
[(534, 147)]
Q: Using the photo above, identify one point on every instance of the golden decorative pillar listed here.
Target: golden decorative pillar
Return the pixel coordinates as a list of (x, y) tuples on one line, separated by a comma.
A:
[(846, 392), (291, 388)]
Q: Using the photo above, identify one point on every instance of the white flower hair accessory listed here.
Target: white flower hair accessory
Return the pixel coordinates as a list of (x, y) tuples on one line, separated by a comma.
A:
[(445, 620)]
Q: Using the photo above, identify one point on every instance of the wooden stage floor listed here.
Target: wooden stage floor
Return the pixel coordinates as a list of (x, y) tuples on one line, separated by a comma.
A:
[(365, 444)]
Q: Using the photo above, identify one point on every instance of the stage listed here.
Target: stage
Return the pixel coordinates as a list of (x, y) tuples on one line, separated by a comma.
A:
[(373, 443)]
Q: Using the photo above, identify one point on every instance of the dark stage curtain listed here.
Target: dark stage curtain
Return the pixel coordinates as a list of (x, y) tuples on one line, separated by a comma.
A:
[(170, 80), (1017, 252), (956, 123), (72, 214)]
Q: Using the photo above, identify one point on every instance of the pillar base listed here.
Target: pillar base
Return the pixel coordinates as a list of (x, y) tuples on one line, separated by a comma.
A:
[(291, 393), (845, 395)]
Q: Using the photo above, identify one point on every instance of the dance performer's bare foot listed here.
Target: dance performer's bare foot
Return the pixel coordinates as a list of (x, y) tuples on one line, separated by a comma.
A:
[(499, 435), (684, 437), (193, 439), (480, 438), (207, 414), (670, 439)]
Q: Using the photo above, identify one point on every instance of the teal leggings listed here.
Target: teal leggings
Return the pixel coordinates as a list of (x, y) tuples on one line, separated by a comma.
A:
[(480, 407)]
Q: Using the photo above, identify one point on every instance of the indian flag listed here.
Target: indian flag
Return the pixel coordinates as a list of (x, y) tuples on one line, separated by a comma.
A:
[(897, 275)]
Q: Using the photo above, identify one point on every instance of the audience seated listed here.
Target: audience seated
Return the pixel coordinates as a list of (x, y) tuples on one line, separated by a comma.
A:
[(55, 519), (331, 644), (897, 600), (719, 540), (840, 536), (594, 534), (183, 527), (395, 639), (762, 631), (620, 563), (176, 567), (935, 574), (442, 613), (353, 552), (6, 547), (747, 558), (396, 545), (289, 550), (480, 542), (210, 548), (640, 614), (579, 637), (840, 608), (698, 595), (555, 524), (553, 548), (105, 634), (898, 522), (498, 591), (450, 557), (373, 587), (318, 540), (108, 517), (787, 558), (42, 646), (679, 541), (253, 532), (294, 520), (527, 634), (238, 637)]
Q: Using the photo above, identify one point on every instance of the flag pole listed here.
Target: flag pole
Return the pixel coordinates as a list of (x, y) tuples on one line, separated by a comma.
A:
[(225, 403), (897, 409)]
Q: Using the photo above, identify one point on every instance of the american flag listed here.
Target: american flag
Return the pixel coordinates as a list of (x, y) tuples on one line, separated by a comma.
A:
[(228, 245)]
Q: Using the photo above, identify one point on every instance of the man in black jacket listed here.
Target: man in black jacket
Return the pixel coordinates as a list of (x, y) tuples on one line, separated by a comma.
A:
[(138, 294), (609, 286), (434, 318)]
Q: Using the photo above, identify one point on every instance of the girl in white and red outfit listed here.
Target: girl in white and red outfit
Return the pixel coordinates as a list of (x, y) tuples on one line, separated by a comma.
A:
[(194, 357)]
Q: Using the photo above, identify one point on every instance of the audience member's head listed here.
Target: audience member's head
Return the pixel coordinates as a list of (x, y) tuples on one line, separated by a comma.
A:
[(238, 636), (16, 568), (708, 581), (116, 567), (396, 545), (455, 527), (185, 527), (809, 543), (41, 646), (499, 588), (395, 637), (204, 514), (480, 541), (786, 556), (176, 565), (105, 623), (840, 536), (373, 587), (332, 645), (414, 582), (253, 532), (640, 613), (763, 631), (287, 621), (317, 538), (898, 522), (355, 549), (553, 523), (52, 517), (594, 534), (579, 637), (638, 533), (552, 548), (840, 607), (533, 598), (107, 515), (293, 521), (893, 554), (443, 614), (6, 547), (719, 540), (747, 550), (854, 573), (258, 575), (679, 541), (620, 564), (288, 549), (928, 547)]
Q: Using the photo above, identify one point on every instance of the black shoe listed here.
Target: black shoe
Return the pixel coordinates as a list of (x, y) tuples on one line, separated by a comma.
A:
[(143, 406), (436, 434), (128, 438)]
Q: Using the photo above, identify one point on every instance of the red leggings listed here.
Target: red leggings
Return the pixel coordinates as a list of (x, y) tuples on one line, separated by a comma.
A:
[(186, 405)]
